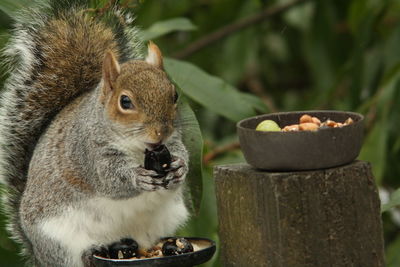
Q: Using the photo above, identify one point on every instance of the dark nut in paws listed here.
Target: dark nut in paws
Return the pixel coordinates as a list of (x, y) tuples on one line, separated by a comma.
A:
[(158, 160)]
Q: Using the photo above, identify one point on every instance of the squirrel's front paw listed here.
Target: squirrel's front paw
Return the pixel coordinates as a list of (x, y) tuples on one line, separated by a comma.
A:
[(177, 173), (149, 180)]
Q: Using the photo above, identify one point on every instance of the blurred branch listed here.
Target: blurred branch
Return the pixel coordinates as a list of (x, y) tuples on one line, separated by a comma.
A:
[(218, 151), (234, 27)]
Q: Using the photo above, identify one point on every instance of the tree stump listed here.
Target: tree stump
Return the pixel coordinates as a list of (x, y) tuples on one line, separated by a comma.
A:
[(321, 218)]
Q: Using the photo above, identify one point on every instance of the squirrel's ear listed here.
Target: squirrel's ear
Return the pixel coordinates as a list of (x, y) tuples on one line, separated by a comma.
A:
[(154, 56), (111, 70)]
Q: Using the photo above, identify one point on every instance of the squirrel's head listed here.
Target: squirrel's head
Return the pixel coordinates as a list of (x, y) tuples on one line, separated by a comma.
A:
[(139, 97)]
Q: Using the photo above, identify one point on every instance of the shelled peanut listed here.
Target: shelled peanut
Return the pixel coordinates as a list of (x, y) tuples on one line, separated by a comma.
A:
[(308, 123)]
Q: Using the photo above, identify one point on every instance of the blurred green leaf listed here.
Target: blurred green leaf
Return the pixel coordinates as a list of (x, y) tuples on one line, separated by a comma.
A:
[(392, 253), (372, 69), (5, 241), (374, 149), (4, 36), (193, 141), (396, 146), (5, 21), (256, 102), (8, 249), (209, 91), (391, 56), (318, 46), (393, 202), (10, 259), (300, 16), (11, 6), (239, 50), (163, 27), (362, 10)]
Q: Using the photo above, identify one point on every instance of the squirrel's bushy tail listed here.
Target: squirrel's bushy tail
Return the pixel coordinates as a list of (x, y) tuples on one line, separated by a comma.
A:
[(55, 54)]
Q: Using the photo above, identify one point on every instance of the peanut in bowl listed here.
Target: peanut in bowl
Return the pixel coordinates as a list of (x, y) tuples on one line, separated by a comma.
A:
[(301, 150)]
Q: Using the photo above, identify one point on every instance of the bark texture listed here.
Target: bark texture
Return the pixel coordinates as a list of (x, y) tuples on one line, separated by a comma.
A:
[(321, 218)]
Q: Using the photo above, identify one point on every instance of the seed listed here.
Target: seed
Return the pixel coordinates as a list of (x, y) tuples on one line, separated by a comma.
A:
[(349, 121), (176, 246), (291, 128), (306, 118), (331, 123), (308, 126), (316, 121)]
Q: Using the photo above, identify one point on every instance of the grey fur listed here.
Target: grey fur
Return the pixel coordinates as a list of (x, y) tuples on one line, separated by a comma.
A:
[(40, 142), (109, 170)]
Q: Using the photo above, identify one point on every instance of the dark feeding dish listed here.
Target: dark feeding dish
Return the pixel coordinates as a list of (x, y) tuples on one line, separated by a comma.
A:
[(301, 150), (203, 250)]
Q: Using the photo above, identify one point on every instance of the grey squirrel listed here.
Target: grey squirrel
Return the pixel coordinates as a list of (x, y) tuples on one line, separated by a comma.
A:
[(79, 109)]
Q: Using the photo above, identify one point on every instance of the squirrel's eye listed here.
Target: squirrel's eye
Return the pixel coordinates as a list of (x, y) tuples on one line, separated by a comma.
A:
[(126, 102), (176, 96)]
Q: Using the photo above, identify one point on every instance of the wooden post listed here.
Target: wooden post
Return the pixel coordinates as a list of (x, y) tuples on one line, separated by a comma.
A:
[(311, 218)]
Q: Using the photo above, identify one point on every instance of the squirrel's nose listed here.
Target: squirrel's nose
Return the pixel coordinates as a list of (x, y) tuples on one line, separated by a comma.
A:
[(156, 134)]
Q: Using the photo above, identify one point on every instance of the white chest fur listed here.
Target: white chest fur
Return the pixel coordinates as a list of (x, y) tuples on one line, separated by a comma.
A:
[(99, 221)]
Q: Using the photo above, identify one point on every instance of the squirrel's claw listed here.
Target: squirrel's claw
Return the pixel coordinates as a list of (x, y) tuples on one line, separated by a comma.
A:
[(176, 176), (145, 172), (149, 180), (177, 163)]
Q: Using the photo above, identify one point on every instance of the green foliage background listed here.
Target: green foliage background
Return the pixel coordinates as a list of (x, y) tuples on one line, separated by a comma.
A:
[(337, 54)]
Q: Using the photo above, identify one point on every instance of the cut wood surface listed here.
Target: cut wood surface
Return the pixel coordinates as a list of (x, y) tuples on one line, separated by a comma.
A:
[(310, 218)]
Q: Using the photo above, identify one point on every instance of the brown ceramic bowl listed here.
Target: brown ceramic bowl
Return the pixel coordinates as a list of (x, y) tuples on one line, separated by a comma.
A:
[(303, 150)]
